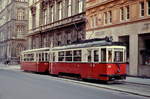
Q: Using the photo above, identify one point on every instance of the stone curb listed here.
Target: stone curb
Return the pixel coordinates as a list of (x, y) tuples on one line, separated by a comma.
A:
[(107, 87)]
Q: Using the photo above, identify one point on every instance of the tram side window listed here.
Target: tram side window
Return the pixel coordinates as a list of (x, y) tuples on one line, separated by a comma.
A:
[(37, 56), (68, 55), (89, 55), (96, 56), (21, 58), (40, 57), (32, 57), (24, 57), (43, 57), (61, 56), (118, 56), (103, 55), (46, 57), (49, 57), (77, 55), (109, 55), (28, 57), (54, 56)]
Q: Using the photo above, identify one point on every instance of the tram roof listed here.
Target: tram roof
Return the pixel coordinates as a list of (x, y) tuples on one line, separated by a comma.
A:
[(89, 43), (39, 49)]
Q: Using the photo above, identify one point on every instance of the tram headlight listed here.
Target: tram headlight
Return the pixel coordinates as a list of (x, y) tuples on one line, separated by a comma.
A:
[(109, 66)]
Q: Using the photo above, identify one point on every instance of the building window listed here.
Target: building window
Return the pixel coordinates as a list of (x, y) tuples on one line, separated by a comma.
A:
[(20, 29), (45, 16), (51, 14), (148, 7), (60, 10), (59, 39), (127, 12), (145, 53), (81, 3), (68, 38), (121, 14), (33, 21), (105, 17), (110, 17), (142, 11), (69, 7), (20, 14), (94, 21), (45, 41)]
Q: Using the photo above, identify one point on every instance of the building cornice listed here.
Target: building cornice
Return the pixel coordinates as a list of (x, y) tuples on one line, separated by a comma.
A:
[(78, 18), (119, 24), (108, 2), (13, 20), (99, 4)]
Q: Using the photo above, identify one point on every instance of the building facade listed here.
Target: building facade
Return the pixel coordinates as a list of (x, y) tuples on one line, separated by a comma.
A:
[(127, 21), (55, 22), (13, 27)]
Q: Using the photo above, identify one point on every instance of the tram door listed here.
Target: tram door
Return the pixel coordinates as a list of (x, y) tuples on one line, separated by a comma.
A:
[(93, 56), (90, 64), (93, 59)]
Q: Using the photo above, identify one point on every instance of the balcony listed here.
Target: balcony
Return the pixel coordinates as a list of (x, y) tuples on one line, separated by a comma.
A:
[(59, 24)]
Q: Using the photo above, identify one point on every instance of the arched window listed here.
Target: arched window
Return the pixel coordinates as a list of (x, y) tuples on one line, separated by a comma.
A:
[(20, 14), (19, 49)]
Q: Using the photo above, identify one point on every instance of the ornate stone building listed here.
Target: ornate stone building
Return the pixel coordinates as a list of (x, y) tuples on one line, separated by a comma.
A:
[(55, 22), (127, 21), (13, 27)]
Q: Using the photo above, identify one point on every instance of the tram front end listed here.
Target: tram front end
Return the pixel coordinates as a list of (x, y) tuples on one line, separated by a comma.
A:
[(115, 67)]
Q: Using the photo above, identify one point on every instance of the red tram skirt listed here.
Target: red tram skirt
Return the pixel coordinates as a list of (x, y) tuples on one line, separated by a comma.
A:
[(100, 71), (35, 66)]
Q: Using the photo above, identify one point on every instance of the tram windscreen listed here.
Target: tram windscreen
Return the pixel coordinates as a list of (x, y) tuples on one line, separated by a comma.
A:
[(118, 56)]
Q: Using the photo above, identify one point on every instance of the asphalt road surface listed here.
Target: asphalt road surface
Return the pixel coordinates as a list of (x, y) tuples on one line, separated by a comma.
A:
[(21, 85)]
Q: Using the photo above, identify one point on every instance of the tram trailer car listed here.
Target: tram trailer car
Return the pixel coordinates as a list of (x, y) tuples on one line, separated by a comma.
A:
[(36, 60), (101, 60)]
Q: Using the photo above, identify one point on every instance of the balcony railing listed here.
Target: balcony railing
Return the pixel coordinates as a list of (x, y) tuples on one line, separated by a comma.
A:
[(58, 24)]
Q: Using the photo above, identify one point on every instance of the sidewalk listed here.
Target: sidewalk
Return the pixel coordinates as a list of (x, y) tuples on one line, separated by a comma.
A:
[(138, 80), (12, 67)]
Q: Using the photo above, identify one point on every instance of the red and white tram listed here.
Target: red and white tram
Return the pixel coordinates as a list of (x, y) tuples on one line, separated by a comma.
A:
[(36, 60), (90, 59), (100, 60)]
